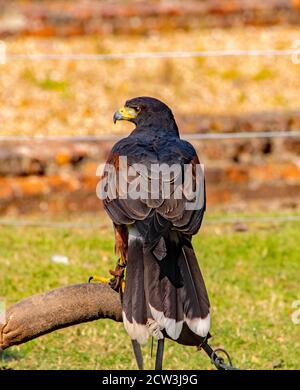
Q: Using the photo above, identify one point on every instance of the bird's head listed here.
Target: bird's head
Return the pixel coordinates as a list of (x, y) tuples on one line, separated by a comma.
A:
[(146, 112)]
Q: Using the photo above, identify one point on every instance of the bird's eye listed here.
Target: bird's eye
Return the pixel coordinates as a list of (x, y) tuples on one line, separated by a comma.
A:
[(138, 108)]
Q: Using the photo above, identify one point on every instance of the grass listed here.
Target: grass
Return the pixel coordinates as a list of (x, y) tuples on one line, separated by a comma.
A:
[(252, 277), (47, 83), (53, 85)]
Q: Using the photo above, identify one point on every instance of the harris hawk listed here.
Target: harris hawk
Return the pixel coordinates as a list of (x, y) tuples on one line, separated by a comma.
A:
[(164, 288)]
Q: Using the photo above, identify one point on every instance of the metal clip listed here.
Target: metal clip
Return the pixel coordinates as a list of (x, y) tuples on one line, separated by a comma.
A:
[(219, 361)]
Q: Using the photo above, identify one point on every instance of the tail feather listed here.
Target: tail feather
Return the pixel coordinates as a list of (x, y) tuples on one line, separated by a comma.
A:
[(165, 306), (153, 301), (151, 281), (134, 302), (195, 300)]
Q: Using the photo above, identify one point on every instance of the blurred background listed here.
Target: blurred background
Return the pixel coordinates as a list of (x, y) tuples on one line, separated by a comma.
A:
[(71, 96)]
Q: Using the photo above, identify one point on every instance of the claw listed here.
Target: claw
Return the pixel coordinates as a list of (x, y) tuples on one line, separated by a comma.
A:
[(122, 285), (116, 282), (122, 262), (99, 279)]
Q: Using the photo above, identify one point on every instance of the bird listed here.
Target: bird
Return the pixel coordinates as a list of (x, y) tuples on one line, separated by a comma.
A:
[(161, 285)]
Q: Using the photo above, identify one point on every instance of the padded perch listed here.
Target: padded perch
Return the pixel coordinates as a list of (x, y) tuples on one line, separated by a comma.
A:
[(44, 313)]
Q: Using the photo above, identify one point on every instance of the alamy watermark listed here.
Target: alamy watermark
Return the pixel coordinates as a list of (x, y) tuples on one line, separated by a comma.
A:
[(153, 181)]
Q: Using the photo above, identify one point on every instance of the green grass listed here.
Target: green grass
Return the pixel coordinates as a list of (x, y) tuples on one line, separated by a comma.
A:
[(53, 85), (252, 277), (47, 83)]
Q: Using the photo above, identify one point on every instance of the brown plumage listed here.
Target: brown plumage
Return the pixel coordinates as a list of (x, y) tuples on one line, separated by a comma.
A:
[(164, 286)]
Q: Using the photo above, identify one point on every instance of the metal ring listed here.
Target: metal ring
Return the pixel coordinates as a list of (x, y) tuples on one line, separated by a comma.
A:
[(219, 361)]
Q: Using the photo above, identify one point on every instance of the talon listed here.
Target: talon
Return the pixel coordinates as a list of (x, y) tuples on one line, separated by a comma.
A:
[(122, 262), (122, 285), (99, 279), (116, 282)]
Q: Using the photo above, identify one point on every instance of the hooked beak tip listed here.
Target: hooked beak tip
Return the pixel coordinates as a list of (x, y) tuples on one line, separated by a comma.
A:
[(117, 116)]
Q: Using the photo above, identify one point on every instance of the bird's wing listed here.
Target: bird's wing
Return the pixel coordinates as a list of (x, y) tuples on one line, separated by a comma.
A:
[(167, 208)]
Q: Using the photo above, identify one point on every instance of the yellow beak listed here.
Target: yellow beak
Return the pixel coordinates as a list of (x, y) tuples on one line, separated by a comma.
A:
[(125, 113)]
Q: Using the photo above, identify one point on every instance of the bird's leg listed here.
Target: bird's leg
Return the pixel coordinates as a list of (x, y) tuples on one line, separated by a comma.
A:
[(138, 354), (121, 248), (117, 281), (159, 354)]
